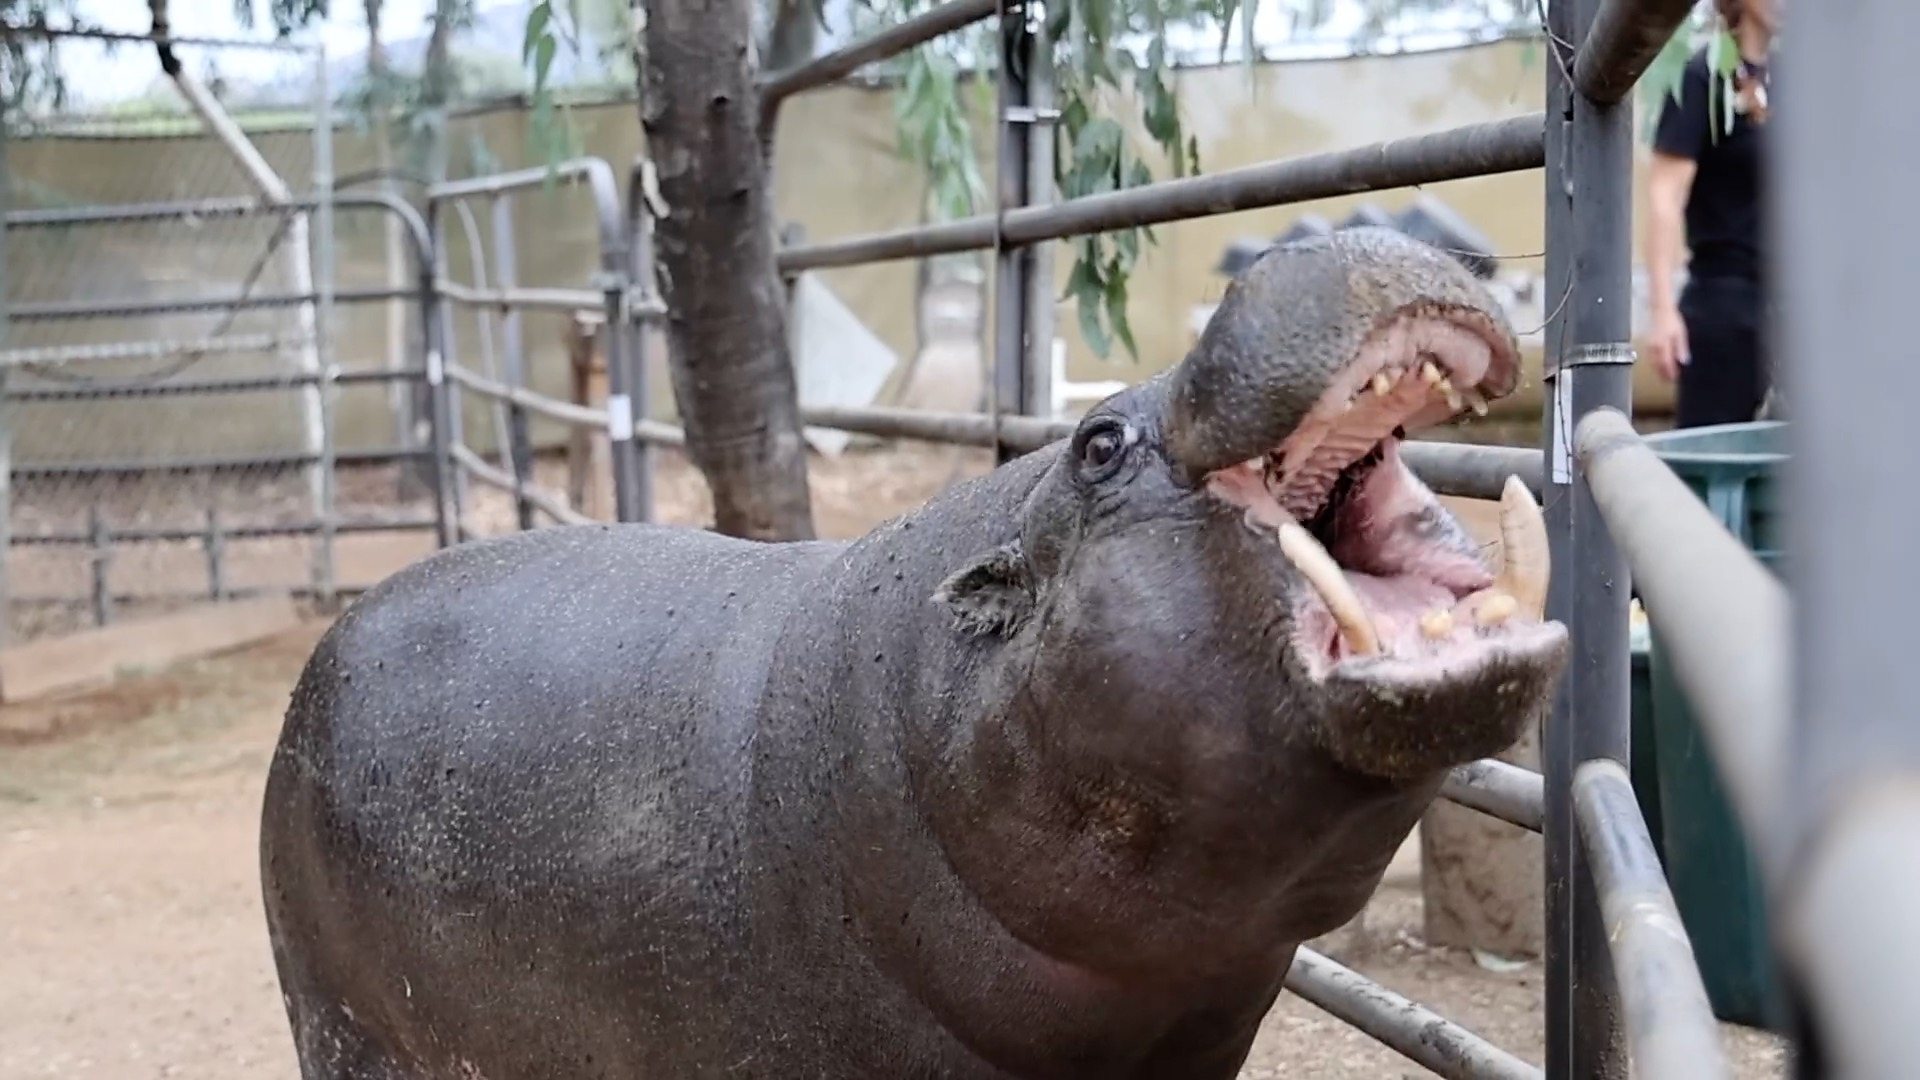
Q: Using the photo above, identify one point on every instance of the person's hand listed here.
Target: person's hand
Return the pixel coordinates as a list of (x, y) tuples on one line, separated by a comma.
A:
[(1667, 342)]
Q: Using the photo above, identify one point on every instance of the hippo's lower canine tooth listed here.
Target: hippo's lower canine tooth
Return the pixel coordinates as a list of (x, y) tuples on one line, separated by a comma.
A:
[(1318, 567), (1381, 383), (1523, 544)]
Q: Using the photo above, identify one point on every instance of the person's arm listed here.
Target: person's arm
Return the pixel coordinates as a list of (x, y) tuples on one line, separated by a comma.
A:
[(1669, 180), (1677, 144)]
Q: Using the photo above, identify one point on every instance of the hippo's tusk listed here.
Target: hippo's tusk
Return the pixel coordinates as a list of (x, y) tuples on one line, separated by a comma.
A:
[(1318, 567), (1523, 542)]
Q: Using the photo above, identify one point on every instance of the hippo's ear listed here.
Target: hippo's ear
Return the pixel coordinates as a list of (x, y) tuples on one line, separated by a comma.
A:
[(991, 594)]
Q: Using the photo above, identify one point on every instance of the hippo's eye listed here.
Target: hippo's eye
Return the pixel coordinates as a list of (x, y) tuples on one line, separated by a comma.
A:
[(1101, 447)]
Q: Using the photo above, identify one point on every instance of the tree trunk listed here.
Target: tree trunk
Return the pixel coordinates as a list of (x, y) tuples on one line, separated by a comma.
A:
[(726, 322)]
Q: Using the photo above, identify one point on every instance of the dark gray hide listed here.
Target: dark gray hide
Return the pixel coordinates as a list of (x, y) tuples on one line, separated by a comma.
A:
[(650, 802)]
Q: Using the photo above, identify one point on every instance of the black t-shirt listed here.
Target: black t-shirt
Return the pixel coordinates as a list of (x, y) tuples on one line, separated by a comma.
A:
[(1724, 211)]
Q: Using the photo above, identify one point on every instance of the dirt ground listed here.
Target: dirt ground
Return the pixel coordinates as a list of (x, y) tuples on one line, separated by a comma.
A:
[(132, 943)]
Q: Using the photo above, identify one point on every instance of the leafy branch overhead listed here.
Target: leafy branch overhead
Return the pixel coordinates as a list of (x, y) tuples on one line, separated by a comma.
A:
[(1661, 84), (1102, 51)]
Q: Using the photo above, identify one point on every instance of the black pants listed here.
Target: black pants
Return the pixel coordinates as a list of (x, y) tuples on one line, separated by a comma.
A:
[(1726, 333)]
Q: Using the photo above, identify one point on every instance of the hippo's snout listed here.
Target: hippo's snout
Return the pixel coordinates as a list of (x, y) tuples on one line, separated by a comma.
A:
[(1310, 328), (1291, 410)]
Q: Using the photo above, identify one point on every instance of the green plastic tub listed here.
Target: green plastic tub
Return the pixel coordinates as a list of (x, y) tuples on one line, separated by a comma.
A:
[(1715, 882)]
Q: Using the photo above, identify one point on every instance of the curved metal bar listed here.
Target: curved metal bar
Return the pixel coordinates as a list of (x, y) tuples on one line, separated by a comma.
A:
[(894, 40), (1723, 617), (1671, 1029), (1625, 37), (1475, 150), (232, 206), (1406, 1026), (1508, 792)]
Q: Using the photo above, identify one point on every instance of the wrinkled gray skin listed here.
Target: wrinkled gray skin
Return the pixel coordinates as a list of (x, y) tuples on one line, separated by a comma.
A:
[(647, 802)]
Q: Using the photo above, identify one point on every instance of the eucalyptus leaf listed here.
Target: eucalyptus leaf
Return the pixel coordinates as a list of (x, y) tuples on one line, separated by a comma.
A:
[(538, 18)]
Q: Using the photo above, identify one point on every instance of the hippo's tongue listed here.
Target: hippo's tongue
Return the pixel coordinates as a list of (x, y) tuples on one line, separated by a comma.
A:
[(1395, 590)]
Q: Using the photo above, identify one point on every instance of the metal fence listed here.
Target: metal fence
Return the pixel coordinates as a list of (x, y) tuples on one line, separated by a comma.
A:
[(1622, 983), (133, 332), (607, 318), (135, 478)]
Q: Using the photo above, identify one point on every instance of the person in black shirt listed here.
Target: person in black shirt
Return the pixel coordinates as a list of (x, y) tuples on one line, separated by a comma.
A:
[(1706, 179)]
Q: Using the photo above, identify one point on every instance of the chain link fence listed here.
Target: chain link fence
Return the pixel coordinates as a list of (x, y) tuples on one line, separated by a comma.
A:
[(182, 421)]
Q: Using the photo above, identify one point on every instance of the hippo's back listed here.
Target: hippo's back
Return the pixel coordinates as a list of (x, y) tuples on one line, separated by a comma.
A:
[(528, 754)]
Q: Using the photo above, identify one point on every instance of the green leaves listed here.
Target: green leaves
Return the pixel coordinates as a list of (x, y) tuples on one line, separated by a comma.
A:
[(539, 17), (547, 24), (287, 15), (1660, 85), (934, 130)]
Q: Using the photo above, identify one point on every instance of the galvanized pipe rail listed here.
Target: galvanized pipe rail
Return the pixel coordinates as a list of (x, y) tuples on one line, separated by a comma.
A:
[(138, 388), (1495, 788), (935, 22), (55, 355), (625, 302), (1850, 820), (1671, 1030), (504, 481), (1622, 40), (1413, 1030), (562, 412), (1500, 146), (210, 464), (72, 310), (413, 229), (1723, 617), (231, 532)]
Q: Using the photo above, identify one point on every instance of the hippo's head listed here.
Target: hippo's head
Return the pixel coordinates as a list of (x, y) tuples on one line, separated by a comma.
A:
[(1230, 563)]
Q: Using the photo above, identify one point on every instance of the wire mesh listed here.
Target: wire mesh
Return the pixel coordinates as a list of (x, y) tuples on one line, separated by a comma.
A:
[(165, 457)]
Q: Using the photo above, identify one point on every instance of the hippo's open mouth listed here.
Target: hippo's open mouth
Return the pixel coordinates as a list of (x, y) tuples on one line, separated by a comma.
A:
[(1396, 583)]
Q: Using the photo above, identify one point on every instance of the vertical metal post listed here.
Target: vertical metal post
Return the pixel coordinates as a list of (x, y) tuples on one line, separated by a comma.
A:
[(1039, 304), (101, 557), (1840, 240), (641, 288), (215, 543), (1009, 394), (618, 336), (1588, 365), (518, 453), (434, 327), (6, 408), (323, 321)]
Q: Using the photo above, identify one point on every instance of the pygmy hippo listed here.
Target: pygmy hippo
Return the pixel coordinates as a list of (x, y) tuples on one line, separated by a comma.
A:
[(1048, 778)]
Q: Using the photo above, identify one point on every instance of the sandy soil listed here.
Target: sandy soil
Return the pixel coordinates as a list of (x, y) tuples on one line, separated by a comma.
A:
[(132, 943)]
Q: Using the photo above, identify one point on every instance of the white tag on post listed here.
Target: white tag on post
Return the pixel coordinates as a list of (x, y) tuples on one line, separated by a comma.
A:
[(619, 417), (1559, 440)]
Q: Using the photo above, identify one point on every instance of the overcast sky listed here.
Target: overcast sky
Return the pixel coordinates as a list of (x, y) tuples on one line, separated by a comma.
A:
[(96, 77)]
